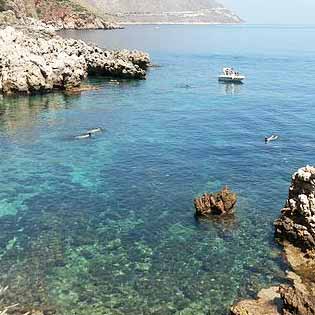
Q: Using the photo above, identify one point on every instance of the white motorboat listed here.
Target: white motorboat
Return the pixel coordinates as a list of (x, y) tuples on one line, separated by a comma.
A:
[(230, 75)]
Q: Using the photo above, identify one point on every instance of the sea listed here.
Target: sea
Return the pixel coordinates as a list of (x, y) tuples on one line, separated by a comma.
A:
[(106, 225)]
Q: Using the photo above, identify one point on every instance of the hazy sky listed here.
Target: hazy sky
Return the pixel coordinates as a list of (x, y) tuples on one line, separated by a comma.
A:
[(274, 11)]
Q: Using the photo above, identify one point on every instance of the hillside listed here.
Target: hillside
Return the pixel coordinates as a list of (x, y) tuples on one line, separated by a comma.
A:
[(68, 14), (90, 14), (165, 11)]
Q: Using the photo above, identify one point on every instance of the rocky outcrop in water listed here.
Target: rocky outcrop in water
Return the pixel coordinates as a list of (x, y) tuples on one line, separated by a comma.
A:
[(220, 203), (295, 229), (39, 61)]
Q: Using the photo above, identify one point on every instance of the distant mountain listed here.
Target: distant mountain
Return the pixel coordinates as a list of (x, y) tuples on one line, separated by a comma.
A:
[(101, 13), (165, 11)]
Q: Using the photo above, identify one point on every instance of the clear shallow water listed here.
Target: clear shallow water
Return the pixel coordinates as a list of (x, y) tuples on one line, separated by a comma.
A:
[(106, 225)]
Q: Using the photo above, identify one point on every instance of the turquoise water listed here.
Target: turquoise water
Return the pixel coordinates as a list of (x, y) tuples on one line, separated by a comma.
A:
[(106, 225)]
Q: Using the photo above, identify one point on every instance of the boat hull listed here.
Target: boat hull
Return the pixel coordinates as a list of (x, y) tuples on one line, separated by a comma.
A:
[(229, 79)]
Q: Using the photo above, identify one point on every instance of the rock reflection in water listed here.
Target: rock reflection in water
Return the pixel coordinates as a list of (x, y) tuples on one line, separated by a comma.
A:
[(22, 111)]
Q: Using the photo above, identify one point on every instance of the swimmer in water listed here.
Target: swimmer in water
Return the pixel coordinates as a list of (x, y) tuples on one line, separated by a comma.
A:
[(271, 138), (94, 130), (84, 136)]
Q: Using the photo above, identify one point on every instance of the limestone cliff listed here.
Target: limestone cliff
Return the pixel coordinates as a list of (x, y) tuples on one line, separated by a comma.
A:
[(297, 221), (295, 229)]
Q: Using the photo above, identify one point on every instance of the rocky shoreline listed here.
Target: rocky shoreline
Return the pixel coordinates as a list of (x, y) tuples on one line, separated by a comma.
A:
[(295, 230), (36, 59)]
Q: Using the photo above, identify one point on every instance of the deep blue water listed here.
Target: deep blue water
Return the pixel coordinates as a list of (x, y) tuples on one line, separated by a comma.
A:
[(106, 225)]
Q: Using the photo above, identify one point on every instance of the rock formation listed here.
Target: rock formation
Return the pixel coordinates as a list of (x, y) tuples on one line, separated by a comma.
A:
[(297, 221), (297, 300), (220, 203), (267, 303), (38, 61), (295, 229)]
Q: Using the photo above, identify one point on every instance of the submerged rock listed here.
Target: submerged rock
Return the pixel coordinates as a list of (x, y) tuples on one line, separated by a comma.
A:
[(33, 60), (220, 203)]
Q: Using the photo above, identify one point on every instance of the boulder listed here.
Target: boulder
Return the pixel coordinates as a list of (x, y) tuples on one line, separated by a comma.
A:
[(220, 203)]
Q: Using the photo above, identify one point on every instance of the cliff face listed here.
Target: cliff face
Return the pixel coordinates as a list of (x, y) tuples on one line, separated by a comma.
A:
[(21, 8), (67, 14), (297, 221), (295, 229), (166, 11)]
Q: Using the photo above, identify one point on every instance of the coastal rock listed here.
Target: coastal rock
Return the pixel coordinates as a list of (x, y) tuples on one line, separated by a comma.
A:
[(299, 297), (35, 61), (297, 221), (220, 203), (267, 303), (297, 300), (296, 230)]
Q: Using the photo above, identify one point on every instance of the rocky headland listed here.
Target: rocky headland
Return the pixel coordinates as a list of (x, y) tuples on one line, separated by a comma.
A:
[(107, 14), (295, 230), (38, 60), (167, 11)]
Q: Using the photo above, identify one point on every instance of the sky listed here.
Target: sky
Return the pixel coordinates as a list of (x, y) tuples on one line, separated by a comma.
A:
[(274, 11)]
